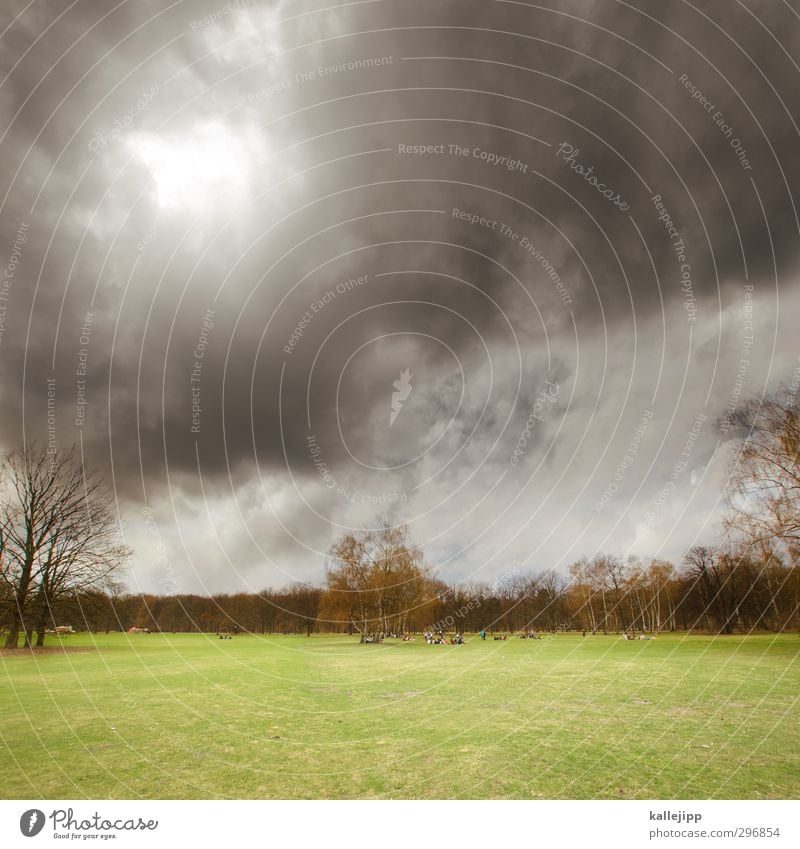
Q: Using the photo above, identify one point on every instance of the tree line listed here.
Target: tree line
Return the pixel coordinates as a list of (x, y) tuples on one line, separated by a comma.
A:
[(59, 552), (713, 590)]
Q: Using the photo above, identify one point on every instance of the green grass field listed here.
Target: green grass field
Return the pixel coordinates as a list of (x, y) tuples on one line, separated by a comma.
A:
[(190, 716)]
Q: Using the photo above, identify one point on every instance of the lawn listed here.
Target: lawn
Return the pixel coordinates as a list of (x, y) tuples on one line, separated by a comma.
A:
[(191, 716)]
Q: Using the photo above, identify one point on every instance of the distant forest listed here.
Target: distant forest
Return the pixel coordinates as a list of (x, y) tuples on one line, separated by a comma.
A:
[(713, 591)]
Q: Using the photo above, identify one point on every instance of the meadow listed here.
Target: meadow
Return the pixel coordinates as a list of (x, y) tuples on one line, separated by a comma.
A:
[(566, 717)]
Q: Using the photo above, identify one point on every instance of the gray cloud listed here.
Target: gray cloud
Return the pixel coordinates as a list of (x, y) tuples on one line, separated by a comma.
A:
[(229, 199)]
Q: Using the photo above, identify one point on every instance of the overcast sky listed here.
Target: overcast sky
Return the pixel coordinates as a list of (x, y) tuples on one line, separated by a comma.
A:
[(563, 236)]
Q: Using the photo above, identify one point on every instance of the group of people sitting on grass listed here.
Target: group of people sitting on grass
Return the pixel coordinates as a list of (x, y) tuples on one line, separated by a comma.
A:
[(439, 639)]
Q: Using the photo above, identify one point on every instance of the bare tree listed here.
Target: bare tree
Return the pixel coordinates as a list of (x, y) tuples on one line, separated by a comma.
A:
[(59, 535), (765, 482), (304, 602), (710, 569), (608, 575), (374, 581), (582, 596), (659, 575), (349, 598)]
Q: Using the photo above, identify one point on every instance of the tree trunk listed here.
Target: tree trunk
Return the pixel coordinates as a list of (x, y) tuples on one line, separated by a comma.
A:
[(20, 603), (12, 640), (41, 621), (671, 612)]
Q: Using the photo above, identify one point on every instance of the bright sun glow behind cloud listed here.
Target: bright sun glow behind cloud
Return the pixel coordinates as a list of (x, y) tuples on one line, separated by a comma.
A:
[(205, 167)]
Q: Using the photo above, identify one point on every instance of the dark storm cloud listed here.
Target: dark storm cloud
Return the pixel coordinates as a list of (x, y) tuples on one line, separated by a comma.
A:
[(229, 199)]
